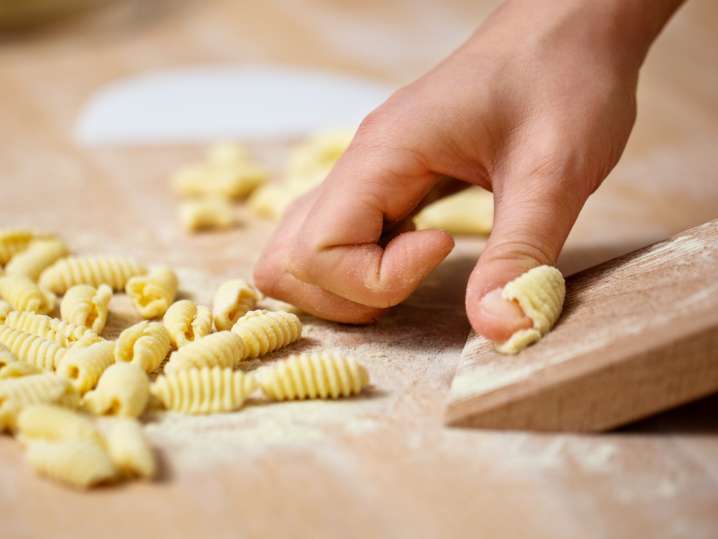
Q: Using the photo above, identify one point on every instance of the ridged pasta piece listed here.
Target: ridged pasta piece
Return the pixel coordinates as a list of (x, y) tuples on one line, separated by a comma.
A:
[(187, 322), (203, 391), (93, 270), (145, 344), (265, 331), (17, 393), (469, 212), (84, 366), (232, 299), (39, 255), (152, 294), (52, 423), (79, 463), (206, 213), (5, 309), (61, 333), (123, 390), (315, 375), (6, 356), (42, 353), (127, 447), (17, 369), (221, 349), (87, 306), (540, 292), (13, 242), (24, 295)]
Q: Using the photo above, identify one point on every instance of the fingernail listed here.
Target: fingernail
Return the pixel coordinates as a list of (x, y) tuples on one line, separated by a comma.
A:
[(507, 312)]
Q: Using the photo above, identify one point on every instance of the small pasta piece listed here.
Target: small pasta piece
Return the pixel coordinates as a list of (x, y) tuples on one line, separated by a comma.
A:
[(203, 391), (37, 351), (79, 463), (24, 295), (83, 366), (13, 242), (38, 256), (17, 393), (127, 447), (206, 214), (61, 333), (6, 356), (152, 294), (93, 270), (17, 369), (469, 212), (5, 309), (231, 300), (221, 349), (315, 375), (146, 344), (123, 390), (271, 200), (87, 306), (218, 180), (187, 322), (264, 331), (52, 423)]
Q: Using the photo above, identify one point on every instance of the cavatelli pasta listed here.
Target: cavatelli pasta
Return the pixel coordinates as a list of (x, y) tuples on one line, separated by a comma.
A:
[(153, 293), (24, 295), (203, 391), (315, 375), (206, 213), (469, 212), (84, 366), (127, 447), (16, 369), (17, 393), (87, 306), (187, 322), (231, 300), (93, 270), (266, 331), (38, 256), (145, 344), (51, 423), (123, 389), (42, 353), (5, 309), (61, 333), (222, 349), (13, 242), (79, 463)]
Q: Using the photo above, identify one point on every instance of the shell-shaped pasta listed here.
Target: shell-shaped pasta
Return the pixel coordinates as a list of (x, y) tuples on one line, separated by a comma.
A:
[(123, 389), (5, 309), (84, 366), (145, 344), (79, 463), (87, 306), (61, 333), (39, 255), (24, 295), (206, 213), (13, 242), (6, 356), (52, 423), (93, 270), (218, 179), (17, 393), (266, 331), (540, 292), (37, 351), (231, 300), (315, 375), (221, 349), (128, 448), (187, 322), (16, 369), (469, 212), (203, 391), (153, 293)]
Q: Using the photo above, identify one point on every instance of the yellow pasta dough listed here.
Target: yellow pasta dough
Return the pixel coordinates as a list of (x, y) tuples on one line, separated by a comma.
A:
[(13, 242), (540, 292), (187, 322), (127, 447), (206, 213), (61, 333), (152, 294), (221, 349), (123, 390), (42, 353), (271, 200), (52, 423), (470, 212), (5, 309), (266, 331), (6, 356), (316, 375), (231, 300), (79, 463), (145, 344), (83, 366), (18, 393), (203, 391), (86, 306), (24, 295), (93, 270), (16, 369), (39, 255)]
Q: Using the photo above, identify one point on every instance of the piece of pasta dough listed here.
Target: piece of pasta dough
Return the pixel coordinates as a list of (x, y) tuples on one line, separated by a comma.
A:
[(146, 344), (265, 331), (79, 463), (221, 349), (6, 356), (152, 294), (271, 200), (128, 448), (469, 212), (67, 272), (206, 214), (233, 299), (314, 375), (87, 306), (18, 393), (13, 242), (60, 332), (52, 423), (187, 322), (37, 351), (16, 369), (84, 366), (540, 292), (5, 309), (25, 295), (39, 255), (203, 391), (123, 390)]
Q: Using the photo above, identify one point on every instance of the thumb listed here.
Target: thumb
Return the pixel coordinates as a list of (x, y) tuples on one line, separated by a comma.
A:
[(531, 222)]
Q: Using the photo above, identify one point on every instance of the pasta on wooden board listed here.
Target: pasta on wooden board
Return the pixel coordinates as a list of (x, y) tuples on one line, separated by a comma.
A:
[(127, 447), (84, 366), (13, 242), (79, 463), (221, 349), (61, 333), (24, 295), (232, 299), (145, 344), (87, 306), (38, 256), (152, 294), (52, 423), (42, 353), (187, 322), (265, 331), (67, 272), (123, 390), (206, 214), (17, 393)]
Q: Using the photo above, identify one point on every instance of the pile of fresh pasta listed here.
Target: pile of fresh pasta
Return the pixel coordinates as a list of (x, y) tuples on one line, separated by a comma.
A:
[(72, 397)]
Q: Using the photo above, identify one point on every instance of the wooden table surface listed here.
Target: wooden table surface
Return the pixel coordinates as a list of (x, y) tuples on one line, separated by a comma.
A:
[(383, 465)]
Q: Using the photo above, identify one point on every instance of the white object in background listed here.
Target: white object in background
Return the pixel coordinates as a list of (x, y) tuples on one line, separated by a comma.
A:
[(211, 103)]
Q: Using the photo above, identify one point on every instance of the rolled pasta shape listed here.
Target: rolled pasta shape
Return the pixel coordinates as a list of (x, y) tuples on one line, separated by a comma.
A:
[(207, 213), (52, 423), (37, 351), (145, 344), (187, 322), (128, 448), (152, 294), (87, 306), (24, 295), (232, 299), (39, 255), (5, 309), (123, 390), (6, 356), (12, 242), (61, 333), (16, 369), (84, 366), (265, 331), (79, 463), (469, 212), (93, 270), (221, 349), (18, 393)]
